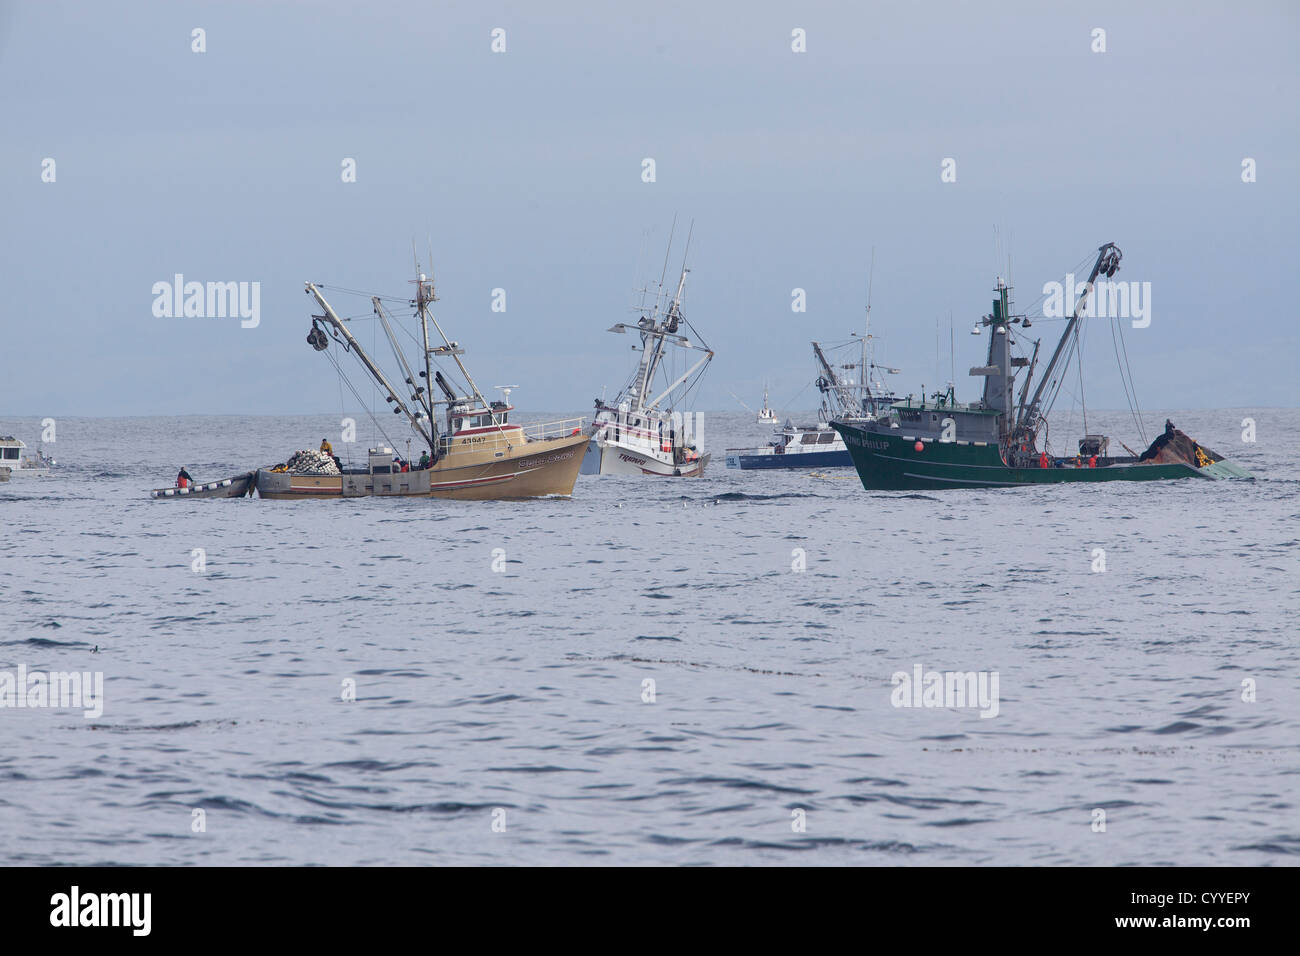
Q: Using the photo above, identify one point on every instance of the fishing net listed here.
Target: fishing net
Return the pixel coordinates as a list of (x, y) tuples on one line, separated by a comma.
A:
[(1176, 447), (309, 462)]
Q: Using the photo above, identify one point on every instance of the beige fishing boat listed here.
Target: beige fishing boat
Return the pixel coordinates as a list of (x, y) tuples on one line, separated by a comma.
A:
[(509, 462), (477, 454)]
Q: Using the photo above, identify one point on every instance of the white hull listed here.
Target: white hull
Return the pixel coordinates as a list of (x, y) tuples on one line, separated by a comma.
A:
[(21, 465), (613, 458)]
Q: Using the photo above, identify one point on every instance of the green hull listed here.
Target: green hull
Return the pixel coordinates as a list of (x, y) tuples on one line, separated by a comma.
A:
[(889, 461)]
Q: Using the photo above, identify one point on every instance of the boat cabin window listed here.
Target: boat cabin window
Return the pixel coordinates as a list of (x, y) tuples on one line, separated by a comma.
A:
[(10, 453), (809, 439), (826, 439), (475, 421)]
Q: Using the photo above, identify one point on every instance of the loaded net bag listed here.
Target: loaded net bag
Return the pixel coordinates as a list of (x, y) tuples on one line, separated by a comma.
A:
[(1177, 447), (310, 462)]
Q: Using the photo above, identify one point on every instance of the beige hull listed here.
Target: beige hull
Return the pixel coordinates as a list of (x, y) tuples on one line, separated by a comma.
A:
[(492, 469)]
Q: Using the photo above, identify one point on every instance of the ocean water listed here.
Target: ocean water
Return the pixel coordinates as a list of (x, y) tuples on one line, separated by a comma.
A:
[(504, 716)]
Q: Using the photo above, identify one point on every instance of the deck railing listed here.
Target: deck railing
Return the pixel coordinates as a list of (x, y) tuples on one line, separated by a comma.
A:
[(539, 431), (534, 431)]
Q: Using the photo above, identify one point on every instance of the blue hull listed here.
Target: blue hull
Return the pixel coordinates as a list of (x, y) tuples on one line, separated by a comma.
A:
[(809, 459)]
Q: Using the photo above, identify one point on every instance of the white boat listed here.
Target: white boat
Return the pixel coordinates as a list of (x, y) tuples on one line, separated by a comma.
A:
[(795, 446), (639, 432), (20, 465), (765, 414), (860, 396)]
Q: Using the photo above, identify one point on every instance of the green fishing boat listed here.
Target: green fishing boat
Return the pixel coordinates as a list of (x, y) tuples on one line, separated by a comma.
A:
[(1003, 440)]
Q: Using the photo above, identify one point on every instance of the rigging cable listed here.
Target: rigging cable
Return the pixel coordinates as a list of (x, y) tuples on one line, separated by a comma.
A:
[(1134, 407), (1083, 404), (343, 378)]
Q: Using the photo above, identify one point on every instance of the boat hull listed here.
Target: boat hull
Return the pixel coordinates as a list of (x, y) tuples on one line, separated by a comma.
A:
[(235, 487), (533, 470), (609, 458), (889, 461), (807, 459)]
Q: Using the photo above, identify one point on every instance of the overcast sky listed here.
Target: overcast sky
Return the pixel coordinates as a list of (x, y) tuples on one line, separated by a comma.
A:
[(524, 171)]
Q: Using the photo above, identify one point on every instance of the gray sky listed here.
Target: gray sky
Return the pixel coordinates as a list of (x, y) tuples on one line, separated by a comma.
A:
[(524, 170)]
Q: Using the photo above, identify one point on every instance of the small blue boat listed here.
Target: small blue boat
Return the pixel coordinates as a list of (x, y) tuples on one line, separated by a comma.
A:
[(795, 446)]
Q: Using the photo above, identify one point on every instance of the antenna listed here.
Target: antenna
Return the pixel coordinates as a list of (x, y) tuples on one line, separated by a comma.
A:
[(952, 352), (1010, 284), (505, 392), (871, 281), (936, 348), (667, 252)]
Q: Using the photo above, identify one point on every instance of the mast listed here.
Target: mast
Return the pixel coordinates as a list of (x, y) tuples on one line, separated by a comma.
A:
[(864, 371), (997, 370), (423, 296), (455, 351), (1108, 257), (338, 325), (421, 394), (658, 329), (1028, 378), (708, 357), (828, 371)]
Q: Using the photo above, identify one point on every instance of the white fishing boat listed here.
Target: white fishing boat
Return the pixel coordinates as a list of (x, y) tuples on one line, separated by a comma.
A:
[(641, 431), (18, 465), (765, 414)]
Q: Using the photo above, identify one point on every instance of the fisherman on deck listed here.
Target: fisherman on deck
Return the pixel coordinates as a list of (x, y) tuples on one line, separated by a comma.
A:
[(183, 479), (1169, 428), (328, 449), (1042, 460), (424, 460)]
